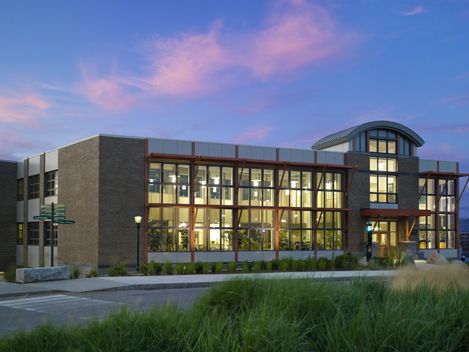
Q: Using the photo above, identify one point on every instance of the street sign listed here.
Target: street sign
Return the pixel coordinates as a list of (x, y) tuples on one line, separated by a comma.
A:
[(65, 222), (41, 217)]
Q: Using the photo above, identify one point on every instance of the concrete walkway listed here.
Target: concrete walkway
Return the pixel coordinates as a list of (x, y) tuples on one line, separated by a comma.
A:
[(173, 281)]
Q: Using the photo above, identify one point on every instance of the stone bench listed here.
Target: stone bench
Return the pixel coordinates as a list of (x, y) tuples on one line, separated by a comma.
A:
[(27, 275)]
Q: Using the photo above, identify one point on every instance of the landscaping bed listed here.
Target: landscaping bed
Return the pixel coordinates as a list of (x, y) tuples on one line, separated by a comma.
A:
[(277, 315)]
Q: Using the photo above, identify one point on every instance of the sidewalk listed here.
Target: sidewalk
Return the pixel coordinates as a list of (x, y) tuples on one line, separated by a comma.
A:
[(172, 281)]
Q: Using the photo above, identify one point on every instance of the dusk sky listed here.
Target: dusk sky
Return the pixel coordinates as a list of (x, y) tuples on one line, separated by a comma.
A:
[(280, 73)]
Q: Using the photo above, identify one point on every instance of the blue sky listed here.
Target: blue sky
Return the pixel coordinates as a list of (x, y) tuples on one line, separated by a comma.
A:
[(281, 73)]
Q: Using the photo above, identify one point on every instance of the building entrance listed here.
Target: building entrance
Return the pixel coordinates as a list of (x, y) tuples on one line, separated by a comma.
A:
[(385, 236)]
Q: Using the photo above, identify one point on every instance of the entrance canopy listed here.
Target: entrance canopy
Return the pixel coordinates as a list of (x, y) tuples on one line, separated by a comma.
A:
[(394, 213)]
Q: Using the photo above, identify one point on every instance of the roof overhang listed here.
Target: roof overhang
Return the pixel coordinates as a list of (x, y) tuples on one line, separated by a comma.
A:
[(395, 213), (443, 174)]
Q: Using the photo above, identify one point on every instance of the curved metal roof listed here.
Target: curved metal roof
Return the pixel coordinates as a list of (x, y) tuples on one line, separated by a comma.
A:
[(349, 133)]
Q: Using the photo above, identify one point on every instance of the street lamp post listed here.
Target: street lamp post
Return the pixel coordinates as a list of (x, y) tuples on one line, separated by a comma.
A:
[(369, 232), (138, 220)]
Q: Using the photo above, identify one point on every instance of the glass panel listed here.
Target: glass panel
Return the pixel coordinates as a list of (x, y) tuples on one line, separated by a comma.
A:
[(169, 173), (391, 147), (227, 195), (268, 218), (295, 219), (295, 179), (169, 193), (183, 194), (214, 238), (306, 219), (199, 217), (320, 199), (244, 176), (214, 175), (295, 240), (284, 197), (183, 174), (268, 197), (227, 217), (329, 181), (374, 164), (329, 199), (381, 146), (392, 165), (268, 239), (306, 180), (215, 195), (295, 198), (320, 180), (306, 240), (373, 183), (227, 174), (306, 199), (243, 239), (256, 197), (373, 146), (283, 179), (382, 165), (268, 178), (338, 181), (200, 194), (227, 240), (256, 177), (243, 196), (201, 178), (283, 239), (199, 240), (243, 218)]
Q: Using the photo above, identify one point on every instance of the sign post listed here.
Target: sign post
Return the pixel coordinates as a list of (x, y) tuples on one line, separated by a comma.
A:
[(55, 213), (369, 233)]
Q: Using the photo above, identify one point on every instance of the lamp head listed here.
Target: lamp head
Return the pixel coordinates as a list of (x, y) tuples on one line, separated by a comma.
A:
[(138, 219)]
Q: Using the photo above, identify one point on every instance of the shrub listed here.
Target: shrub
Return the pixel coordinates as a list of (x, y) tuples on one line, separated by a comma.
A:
[(168, 268), (199, 268), (275, 264), (298, 265), (217, 268), (118, 270), (75, 272), (190, 268), (154, 268), (92, 273), (246, 267), (144, 269), (268, 266), (310, 264), (231, 267), (283, 265), (180, 268), (323, 263), (205, 268), (346, 262), (257, 267)]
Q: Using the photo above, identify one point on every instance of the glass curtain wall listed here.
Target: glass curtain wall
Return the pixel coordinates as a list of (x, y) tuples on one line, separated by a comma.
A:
[(438, 196), (300, 192)]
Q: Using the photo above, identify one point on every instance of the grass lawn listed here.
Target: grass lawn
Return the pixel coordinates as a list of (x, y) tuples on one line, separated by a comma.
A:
[(278, 315)]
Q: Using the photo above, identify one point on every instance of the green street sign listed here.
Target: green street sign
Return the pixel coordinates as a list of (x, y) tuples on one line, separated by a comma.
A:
[(65, 222), (41, 217), (59, 217), (59, 206)]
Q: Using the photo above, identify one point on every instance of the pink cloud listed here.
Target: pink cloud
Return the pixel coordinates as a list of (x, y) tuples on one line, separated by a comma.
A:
[(22, 109), (418, 10), (253, 134), (295, 36), (188, 64), (110, 93)]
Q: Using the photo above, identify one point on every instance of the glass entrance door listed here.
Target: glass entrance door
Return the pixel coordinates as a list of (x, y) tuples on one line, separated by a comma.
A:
[(385, 235)]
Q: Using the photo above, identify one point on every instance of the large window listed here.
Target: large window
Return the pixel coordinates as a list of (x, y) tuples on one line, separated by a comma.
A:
[(438, 196), (19, 233), (33, 187), (168, 229), (51, 183), (256, 187), (20, 190), (295, 230), (213, 185), (256, 230), (295, 188), (330, 190), (33, 233), (213, 229), (169, 183), (383, 188), (329, 233), (382, 142), (47, 234)]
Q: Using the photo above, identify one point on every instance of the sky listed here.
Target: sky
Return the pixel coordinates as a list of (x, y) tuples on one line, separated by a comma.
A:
[(282, 73)]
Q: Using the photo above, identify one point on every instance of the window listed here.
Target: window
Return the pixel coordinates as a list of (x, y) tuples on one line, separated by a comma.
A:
[(382, 146), (19, 233), (256, 187), (383, 164), (438, 196), (168, 230), (256, 230), (295, 188), (51, 183), (329, 230), (33, 233), (169, 183), (330, 190), (295, 230), (33, 187), (20, 190), (47, 234), (383, 188)]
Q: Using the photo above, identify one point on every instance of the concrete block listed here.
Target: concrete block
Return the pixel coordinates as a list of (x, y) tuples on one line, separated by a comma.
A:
[(27, 275)]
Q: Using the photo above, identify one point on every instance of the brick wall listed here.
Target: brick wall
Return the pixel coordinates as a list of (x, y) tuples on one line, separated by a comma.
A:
[(8, 214)]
